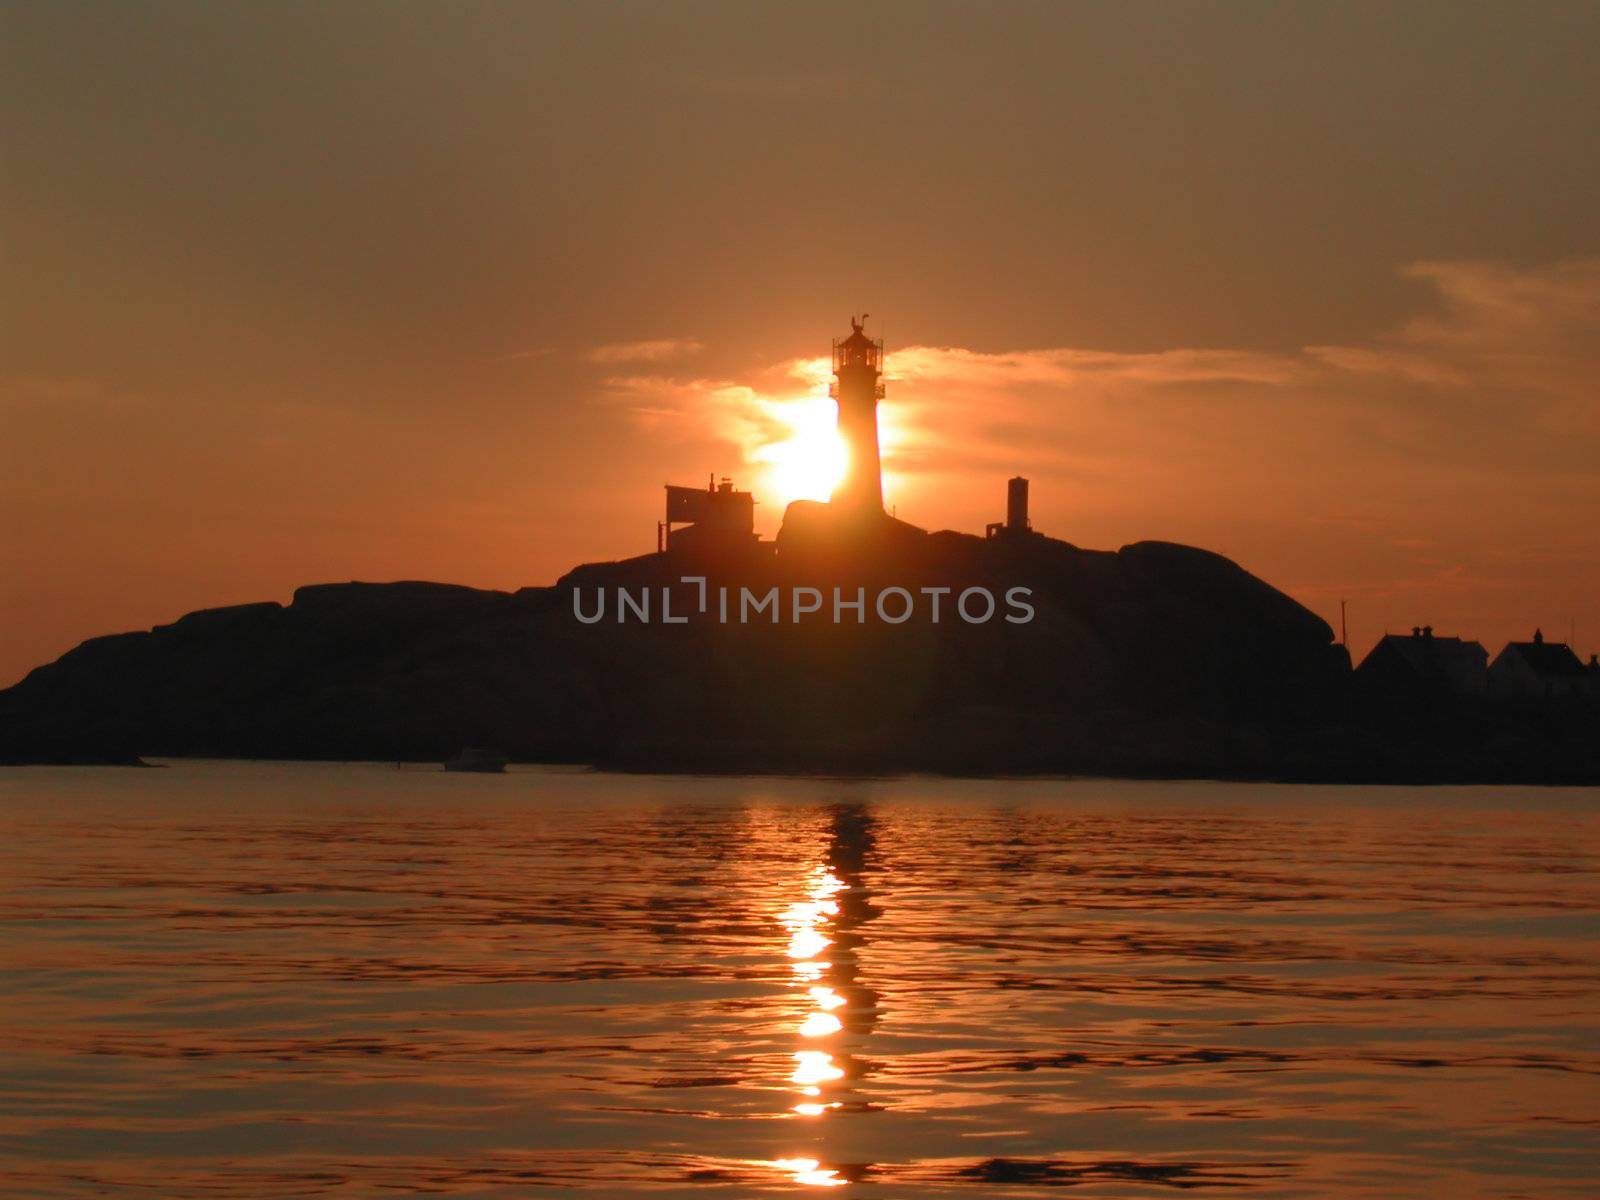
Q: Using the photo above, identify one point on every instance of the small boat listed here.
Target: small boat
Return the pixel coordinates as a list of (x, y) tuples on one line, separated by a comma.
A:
[(488, 762)]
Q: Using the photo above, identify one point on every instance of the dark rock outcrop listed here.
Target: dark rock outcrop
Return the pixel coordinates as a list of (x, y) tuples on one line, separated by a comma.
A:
[(1157, 656), (1155, 659)]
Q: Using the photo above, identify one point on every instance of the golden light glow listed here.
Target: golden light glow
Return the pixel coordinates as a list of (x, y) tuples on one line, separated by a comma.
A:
[(814, 1066), (826, 997), (806, 943), (812, 1108), (814, 1070), (805, 920), (809, 462), (820, 1024), (809, 1171), (794, 440)]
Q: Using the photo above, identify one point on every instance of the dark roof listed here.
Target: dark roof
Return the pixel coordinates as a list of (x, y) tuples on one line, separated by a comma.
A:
[(1546, 658), (1425, 653)]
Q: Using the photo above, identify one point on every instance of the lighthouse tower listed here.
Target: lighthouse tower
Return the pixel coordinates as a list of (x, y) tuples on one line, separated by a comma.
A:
[(858, 386)]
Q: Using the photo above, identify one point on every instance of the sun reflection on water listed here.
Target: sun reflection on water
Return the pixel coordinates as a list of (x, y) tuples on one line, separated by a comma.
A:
[(808, 922), (810, 1172), (832, 1006), (1134, 993)]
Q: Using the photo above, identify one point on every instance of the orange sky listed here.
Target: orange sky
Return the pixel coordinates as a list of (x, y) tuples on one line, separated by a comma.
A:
[(308, 293)]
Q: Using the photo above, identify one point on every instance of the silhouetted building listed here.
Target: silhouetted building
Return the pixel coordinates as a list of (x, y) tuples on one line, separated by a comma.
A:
[(1016, 510), (858, 386), (1421, 667), (1537, 669), (714, 516)]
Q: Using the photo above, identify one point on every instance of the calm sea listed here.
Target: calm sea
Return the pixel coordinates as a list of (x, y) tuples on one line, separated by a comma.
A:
[(275, 980)]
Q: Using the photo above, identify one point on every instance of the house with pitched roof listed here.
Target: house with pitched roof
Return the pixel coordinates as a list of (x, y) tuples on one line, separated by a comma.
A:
[(1423, 667), (1538, 669)]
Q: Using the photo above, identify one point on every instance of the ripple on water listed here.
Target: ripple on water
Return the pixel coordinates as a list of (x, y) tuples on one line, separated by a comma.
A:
[(258, 980)]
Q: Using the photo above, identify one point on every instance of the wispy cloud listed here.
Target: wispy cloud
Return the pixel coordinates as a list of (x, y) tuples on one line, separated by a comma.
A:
[(1502, 358), (1498, 331), (1462, 436), (533, 352), (654, 351)]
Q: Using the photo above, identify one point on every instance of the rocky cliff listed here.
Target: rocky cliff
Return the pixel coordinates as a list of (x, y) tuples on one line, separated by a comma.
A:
[(1157, 658)]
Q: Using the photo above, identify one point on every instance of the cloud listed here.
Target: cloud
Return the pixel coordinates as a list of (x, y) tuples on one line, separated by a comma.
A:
[(1526, 342), (530, 354), (954, 411), (654, 351), (1499, 372), (1445, 468), (1072, 367)]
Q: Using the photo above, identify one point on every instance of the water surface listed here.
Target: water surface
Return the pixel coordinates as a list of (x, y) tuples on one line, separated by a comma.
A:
[(241, 980)]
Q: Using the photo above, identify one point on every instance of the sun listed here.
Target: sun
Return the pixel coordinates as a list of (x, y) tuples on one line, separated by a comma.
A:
[(793, 439), (809, 462)]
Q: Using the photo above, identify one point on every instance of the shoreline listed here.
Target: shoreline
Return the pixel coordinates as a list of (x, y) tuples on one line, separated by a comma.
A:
[(864, 771)]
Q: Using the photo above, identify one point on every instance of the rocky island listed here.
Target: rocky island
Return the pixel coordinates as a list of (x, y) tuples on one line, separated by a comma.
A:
[(854, 642), (1156, 659)]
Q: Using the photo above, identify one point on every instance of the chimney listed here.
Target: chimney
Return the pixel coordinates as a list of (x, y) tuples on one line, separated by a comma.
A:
[(1427, 631), (1416, 631)]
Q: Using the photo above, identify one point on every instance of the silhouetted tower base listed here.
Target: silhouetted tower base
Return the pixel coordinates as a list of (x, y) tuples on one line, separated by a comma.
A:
[(1016, 522), (1017, 505)]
